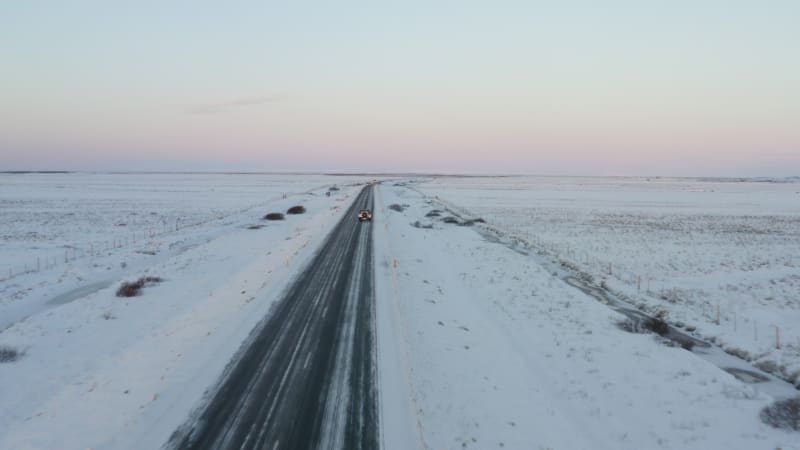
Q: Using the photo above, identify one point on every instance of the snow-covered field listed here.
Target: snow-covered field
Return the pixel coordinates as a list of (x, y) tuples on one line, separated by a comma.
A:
[(481, 344), (721, 256), (100, 371), (502, 353), (49, 219)]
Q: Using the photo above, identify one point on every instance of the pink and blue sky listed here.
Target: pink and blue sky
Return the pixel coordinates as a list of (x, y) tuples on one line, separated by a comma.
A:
[(701, 87)]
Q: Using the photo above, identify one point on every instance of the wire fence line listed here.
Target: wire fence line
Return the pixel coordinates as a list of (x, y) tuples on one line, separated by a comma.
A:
[(641, 285), (141, 238), (59, 256)]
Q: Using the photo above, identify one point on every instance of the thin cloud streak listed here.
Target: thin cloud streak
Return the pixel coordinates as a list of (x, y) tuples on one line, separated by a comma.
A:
[(244, 102)]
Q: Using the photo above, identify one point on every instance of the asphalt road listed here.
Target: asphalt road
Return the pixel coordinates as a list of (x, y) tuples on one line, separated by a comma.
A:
[(308, 377)]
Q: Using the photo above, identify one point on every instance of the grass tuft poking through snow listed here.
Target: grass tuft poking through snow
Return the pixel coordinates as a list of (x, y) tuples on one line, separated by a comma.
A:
[(296, 210), (396, 207), (9, 354), (274, 216), (132, 289), (783, 414)]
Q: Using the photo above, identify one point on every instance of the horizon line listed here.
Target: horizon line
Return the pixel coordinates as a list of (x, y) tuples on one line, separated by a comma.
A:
[(795, 178)]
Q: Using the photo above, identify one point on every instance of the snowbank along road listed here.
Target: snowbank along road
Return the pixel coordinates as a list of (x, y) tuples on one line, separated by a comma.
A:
[(307, 376)]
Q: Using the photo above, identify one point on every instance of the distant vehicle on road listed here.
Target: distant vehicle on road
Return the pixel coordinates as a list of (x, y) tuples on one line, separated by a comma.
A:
[(365, 215)]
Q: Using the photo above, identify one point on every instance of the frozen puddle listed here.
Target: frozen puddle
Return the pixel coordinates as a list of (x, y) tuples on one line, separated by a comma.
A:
[(746, 375), (77, 293)]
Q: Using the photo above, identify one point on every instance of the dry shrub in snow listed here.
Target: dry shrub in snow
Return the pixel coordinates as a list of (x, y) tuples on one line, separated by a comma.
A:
[(471, 222), (631, 326), (132, 289), (657, 325), (783, 414), (274, 216), (649, 325), (296, 210), (396, 207), (9, 354)]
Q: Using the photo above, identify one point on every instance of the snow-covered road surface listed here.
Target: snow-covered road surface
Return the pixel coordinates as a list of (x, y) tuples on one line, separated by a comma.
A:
[(306, 379)]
